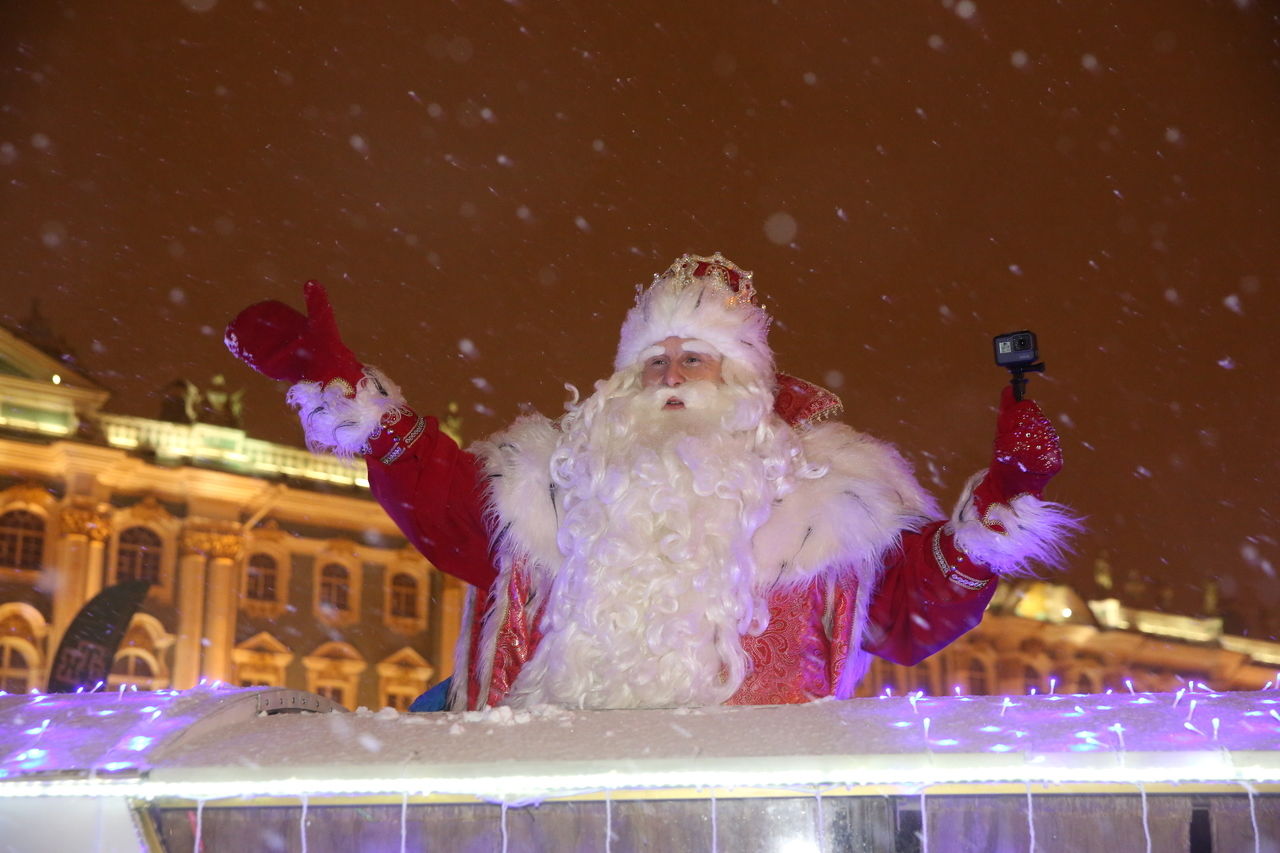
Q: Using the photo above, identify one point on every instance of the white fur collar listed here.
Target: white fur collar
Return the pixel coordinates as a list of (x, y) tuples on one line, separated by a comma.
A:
[(844, 520), (524, 509)]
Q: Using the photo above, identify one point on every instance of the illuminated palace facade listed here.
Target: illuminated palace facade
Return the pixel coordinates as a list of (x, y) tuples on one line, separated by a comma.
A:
[(270, 566), (1025, 644)]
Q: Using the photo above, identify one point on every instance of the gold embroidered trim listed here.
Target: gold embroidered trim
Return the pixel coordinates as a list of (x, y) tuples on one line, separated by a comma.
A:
[(342, 385), (403, 444), (949, 571)]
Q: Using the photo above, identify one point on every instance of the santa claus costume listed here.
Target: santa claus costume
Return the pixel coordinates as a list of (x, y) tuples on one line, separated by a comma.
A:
[(683, 544)]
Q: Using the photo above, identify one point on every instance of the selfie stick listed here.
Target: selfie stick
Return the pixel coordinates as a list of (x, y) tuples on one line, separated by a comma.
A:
[(1019, 382)]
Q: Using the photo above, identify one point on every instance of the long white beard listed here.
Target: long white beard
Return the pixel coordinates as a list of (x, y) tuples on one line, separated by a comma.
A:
[(658, 581)]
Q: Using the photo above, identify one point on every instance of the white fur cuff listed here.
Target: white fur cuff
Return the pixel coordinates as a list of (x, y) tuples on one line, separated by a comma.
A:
[(336, 423), (1037, 531)]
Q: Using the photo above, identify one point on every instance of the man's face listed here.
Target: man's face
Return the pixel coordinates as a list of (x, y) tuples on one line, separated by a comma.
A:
[(675, 361)]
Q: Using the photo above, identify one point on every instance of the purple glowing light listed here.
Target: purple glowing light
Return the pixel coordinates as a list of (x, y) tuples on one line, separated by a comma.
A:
[(114, 766)]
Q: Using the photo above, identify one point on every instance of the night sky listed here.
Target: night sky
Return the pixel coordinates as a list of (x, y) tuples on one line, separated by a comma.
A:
[(482, 184)]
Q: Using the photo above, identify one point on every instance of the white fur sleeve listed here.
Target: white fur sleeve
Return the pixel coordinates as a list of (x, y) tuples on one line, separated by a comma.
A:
[(848, 516), (1037, 531), (335, 423), (517, 462)]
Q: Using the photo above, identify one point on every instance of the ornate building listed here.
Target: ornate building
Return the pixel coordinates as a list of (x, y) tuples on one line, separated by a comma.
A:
[(1038, 637), (268, 565)]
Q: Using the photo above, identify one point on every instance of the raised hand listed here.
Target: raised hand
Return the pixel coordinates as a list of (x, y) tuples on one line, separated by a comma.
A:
[(281, 343), (1026, 456)]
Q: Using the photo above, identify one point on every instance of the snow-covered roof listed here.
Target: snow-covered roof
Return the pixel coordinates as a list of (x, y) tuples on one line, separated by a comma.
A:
[(209, 744)]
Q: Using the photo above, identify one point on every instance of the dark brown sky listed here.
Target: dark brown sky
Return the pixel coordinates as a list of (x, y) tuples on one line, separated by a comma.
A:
[(906, 179)]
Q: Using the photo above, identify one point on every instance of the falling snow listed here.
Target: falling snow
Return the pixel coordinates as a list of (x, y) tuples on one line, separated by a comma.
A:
[(780, 228), (53, 234)]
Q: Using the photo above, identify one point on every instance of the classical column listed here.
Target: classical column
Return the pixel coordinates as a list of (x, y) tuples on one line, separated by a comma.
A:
[(215, 576), (220, 613), (186, 649), (78, 574)]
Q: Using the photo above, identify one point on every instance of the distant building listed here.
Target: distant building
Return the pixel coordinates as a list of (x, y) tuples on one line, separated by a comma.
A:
[(269, 565), (1043, 637)]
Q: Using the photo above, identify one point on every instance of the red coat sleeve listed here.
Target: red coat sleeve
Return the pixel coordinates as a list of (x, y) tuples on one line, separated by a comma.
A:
[(916, 610), (434, 491)]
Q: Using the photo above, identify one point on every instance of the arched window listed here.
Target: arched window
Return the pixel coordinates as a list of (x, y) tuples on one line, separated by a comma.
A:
[(15, 669), (131, 668), (979, 684), (262, 577), (21, 540), (335, 587), (404, 596), (138, 557)]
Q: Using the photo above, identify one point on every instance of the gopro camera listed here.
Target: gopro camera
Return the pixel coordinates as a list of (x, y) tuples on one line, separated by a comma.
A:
[(1017, 353), (1016, 349)]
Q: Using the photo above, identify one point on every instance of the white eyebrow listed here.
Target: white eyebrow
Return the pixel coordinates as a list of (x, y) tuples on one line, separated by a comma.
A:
[(700, 347), (692, 345)]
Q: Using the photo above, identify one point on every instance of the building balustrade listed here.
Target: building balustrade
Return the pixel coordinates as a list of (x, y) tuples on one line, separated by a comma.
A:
[(229, 448)]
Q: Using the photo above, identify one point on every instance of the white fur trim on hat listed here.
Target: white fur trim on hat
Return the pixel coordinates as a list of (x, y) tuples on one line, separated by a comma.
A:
[(701, 308)]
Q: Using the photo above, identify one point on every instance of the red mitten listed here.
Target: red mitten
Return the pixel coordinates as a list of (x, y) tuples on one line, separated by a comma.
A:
[(1027, 455), (281, 343)]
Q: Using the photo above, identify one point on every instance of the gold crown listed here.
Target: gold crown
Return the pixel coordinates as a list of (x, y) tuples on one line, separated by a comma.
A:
[(728, 277)]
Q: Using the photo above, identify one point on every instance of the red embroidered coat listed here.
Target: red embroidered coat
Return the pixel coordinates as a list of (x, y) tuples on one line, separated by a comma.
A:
[(882, 589)]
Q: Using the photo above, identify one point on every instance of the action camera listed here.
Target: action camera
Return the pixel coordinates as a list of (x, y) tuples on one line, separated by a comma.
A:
[(1016, 349), (1017, 353)]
